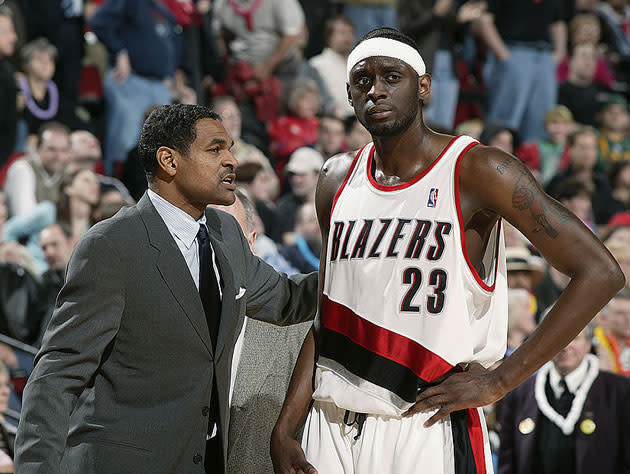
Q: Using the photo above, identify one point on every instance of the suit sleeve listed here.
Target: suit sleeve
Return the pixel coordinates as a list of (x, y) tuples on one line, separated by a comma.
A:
[(624, 431), (275, 298), (85, 321), (508, 421)]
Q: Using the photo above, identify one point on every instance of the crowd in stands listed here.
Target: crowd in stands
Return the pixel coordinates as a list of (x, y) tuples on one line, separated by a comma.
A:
[(546, 80)]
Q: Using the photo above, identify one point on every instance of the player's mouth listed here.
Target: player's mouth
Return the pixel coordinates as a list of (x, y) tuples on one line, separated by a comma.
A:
[(379, 112), (228, 181)]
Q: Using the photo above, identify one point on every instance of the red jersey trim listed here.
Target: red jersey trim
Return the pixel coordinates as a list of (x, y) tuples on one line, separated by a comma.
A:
[(345, 181), (462, 229), (475, 432), (396, 187), (398, 348)]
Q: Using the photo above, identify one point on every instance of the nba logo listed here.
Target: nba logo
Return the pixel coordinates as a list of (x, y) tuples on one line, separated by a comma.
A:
[(433, 195)]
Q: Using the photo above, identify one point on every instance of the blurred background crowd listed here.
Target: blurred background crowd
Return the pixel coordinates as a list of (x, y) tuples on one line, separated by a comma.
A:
[(546, 80)]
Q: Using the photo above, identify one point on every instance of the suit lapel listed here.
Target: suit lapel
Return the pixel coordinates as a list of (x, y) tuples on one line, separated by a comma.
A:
[(174, 271)]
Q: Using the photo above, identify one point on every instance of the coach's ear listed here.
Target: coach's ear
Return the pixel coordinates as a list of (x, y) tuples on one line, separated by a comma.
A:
[(424, 87), (167, 161)]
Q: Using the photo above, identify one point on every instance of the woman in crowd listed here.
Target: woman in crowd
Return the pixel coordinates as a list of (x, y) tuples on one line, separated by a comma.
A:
[(79, 195)]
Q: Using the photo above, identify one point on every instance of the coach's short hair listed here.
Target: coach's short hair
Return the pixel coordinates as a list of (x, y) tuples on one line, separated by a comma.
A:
[(173, 126)]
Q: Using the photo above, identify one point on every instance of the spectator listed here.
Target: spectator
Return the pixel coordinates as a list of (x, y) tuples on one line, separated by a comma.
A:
[(40, 91), (570, 417), (357, 135), (330, 137), (8, 87), (264, 357), (263, 34), (521, 321), (331, 63), (369, 14), (547, 156), (304, 253), (612, 337), (498, 135), (19, 294), (36, 177), (298, 127), (139, 36), (7, 431), (614, 15), (255, 180), (524, 270), (4, 211), (526, 40), (619, 178), (78, 197), (585, 28), (579, 93), (471, 127), (436, 26), (57, 244), (303, 171), (614, 144), (85, 153), (582, 160), (577, 196), (617, 240)]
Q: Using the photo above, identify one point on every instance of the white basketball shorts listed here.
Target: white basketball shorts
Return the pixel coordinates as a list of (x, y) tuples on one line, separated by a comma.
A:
[(335, 443)]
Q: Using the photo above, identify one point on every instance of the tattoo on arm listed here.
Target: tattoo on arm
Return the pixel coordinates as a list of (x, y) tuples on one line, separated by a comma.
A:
[(503, 166), (527, 196)]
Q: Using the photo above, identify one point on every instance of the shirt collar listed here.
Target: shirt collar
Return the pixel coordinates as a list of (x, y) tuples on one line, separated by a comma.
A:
[(178, 222), (573, 379)]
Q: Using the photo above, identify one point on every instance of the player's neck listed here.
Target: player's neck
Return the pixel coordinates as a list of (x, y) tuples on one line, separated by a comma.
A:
[(406, 154)]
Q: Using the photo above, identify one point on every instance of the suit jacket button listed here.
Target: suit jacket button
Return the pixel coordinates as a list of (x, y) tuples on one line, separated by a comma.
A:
[(205, 411), (197, 458)]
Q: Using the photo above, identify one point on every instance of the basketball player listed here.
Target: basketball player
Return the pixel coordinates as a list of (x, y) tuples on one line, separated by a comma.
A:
[(413, 303)]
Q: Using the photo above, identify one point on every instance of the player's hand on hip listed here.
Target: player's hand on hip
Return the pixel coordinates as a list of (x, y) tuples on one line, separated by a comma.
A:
[(288, 457), (474, 387)]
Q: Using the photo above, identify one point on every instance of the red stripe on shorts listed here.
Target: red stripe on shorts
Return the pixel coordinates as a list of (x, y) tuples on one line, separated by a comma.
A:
[(475, 432)]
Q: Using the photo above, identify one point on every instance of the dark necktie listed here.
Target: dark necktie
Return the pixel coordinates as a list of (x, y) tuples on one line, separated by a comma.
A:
[(564, 402), (208, 285), (211, 301)]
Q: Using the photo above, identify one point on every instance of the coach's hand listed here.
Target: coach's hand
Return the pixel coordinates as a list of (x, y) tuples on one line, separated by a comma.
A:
[(287, 455), (472, 388)]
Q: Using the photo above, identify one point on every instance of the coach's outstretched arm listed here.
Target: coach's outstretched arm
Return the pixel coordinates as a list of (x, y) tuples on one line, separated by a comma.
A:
[(286, 453), (495, 183)]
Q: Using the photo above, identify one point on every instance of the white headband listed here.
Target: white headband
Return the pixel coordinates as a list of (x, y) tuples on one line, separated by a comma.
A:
[(389, 48)]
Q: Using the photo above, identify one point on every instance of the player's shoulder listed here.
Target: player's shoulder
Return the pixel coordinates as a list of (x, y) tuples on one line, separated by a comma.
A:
[(489, 164), (336, 167)]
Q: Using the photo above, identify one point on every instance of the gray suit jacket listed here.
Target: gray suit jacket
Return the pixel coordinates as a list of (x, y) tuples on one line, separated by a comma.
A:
[(267, 360), (123, 379)]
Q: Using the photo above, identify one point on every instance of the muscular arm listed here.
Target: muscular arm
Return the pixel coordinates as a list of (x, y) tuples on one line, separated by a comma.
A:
[(493, 181), (286, 453)]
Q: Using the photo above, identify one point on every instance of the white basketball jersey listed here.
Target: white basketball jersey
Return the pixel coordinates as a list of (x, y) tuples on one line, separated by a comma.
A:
[(402, 304)]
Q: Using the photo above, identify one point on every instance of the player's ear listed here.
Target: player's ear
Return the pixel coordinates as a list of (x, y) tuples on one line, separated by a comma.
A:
[(348, 92), (424, 87)]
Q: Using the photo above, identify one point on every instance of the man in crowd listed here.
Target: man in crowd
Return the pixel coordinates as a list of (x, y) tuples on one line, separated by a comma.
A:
[(304, 253), (331, 63), (264, 357), (303, 170), (36, 177), (612, 337), (140, 39), (571, 417)]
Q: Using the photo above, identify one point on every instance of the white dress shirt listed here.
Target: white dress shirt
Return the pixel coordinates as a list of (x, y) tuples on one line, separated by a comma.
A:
[(573, 379), (184, 230)]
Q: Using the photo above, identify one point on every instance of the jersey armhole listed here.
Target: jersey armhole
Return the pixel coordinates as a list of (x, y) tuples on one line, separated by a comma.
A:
[(345, 181), (462, 231)]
